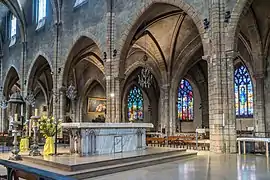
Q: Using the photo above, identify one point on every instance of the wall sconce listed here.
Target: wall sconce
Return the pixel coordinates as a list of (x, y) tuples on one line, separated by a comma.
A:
[(206, 23), (59, 70), (105, 56), (114, 53), (227, 16)]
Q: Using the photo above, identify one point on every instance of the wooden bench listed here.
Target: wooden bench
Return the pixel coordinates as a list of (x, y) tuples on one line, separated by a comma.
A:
[(156, 141)]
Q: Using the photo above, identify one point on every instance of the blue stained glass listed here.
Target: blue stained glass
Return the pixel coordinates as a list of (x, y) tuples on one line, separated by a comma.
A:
[(135, 104), (42, 9), (243, 92), (13, 28), (185, 101)]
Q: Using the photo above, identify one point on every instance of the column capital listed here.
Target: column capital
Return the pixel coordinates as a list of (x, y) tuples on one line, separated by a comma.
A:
[(232, 54), (165, 86), (259, 75), (119, 78), (206, 57)]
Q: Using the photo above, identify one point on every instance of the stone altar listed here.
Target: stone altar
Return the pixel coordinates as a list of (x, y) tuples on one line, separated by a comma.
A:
[(106, 138)]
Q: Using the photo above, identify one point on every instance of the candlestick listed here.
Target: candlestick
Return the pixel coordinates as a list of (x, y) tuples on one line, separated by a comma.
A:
[(16, 117), (36, 112)]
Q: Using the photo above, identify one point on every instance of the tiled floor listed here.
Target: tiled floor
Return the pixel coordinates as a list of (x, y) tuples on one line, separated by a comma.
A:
[(203, 167)]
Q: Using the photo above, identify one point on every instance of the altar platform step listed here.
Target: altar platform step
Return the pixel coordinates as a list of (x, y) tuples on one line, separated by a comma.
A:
[(98, 165), (101, 171)]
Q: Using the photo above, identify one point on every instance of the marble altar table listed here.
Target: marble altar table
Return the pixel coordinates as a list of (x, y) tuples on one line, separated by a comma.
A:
[(106, 138)]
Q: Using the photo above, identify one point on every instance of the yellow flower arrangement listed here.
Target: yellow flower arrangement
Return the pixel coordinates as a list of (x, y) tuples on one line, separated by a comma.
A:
[(47, 126)]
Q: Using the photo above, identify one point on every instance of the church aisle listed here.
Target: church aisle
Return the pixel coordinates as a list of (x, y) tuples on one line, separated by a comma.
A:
[(204, 167)]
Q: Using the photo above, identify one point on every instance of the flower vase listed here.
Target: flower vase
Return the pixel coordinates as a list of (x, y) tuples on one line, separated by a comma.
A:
[(49, 146)]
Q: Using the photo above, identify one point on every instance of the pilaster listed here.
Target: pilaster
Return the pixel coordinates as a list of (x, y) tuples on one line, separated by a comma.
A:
[(169, 122), (259, 114)]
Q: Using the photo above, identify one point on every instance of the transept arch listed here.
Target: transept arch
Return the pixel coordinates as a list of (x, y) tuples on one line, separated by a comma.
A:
[(12, 78), (83, 66), (160, 34), (11, 85), (83, 48), (150, 98), (248, 35), (196, 74), (40, 83)]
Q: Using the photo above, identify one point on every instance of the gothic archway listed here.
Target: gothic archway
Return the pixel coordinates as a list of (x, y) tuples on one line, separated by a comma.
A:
[(40, 84), (83, 66), (146, 101)]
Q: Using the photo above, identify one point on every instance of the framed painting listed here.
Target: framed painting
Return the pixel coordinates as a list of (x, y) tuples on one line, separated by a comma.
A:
[(96, 105)]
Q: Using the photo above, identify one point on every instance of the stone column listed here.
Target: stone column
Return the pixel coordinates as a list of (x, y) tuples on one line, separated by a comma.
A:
[(108, 99), (259, 111), (2, 93), (229, 105), (165, 109), (62, 106), (220, 85), (110, 72), (117, 99)]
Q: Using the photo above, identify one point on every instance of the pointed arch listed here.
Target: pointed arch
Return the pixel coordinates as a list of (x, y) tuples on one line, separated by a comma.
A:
[(243, 89), (84, 48), (39, 65), (12, 77)]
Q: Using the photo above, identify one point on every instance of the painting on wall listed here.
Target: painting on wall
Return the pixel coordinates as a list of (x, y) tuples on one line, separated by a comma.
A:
[(96, 105)]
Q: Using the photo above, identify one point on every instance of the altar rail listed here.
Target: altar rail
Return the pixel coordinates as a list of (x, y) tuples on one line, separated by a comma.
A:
[(16, 171)]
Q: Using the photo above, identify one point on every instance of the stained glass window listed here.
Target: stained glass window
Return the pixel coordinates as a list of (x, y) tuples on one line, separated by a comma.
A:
[(79, 2), (185, 101), (41, 9), (243, 92), (135, 104), (13, 26), (13, 29)]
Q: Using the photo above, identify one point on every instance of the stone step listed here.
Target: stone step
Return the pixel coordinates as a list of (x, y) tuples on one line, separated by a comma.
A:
[(100, 163), (124, 166)]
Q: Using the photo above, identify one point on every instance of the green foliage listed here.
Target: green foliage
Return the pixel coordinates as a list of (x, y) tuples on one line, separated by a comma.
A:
[(47, 126)]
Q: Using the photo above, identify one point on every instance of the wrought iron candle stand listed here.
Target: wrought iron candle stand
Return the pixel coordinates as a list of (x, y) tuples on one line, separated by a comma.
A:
[(34, 148), (15, 150)]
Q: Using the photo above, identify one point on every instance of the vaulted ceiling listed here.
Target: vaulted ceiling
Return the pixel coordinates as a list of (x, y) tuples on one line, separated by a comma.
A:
[(254, 36), (167, 35)]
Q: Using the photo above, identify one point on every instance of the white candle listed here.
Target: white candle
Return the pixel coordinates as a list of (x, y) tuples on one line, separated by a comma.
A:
[(22, 110), (223, 120), (36, 112), (16, 117)]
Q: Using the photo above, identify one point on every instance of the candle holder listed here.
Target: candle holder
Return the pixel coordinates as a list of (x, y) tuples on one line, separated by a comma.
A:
[(34, 148), (15, 150)]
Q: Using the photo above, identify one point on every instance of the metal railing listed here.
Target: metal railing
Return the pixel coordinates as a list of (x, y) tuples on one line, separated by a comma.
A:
[(13, 168)]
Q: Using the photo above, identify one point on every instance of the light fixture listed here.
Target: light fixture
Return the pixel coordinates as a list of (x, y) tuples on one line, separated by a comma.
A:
[(227, 16), (71, 92), (30, 99), (145, 77), (112, 95), (3, 103), (206, 23)]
